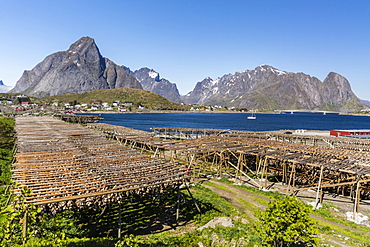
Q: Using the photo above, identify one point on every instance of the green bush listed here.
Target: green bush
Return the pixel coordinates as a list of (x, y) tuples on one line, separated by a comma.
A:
[(286, 222)]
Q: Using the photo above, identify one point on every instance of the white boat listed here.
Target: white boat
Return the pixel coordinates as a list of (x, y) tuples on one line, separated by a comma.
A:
[(253, 116)]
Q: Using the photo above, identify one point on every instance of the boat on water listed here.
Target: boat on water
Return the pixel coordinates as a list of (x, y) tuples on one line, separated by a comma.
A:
[(253, 116)]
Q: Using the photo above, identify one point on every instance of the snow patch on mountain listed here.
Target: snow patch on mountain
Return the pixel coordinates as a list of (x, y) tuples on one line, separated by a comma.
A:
[(152, 74)]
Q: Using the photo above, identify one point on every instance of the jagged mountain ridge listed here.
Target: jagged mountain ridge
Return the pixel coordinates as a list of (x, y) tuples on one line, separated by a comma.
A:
[(151, 81), (4, 88), (366, 102), (266, 87), (79, 69)]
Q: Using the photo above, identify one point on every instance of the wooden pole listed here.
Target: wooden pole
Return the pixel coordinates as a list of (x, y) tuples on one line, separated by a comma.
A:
[(222, 160), (338, 181), (265, 169), (191, 164), (319, 188), (290, 179), (250, 179), (178, 205), (237, 177), (263, 184), (284, 177), (192, 198), (155, 153), (119, 220), (24, 232), (258, 162), (357, 200)]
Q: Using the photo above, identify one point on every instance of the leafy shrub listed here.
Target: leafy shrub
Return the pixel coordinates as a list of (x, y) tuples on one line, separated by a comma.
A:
[(286, 222)]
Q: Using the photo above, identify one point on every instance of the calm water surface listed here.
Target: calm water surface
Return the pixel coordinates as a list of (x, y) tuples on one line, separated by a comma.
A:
[(238, 121)]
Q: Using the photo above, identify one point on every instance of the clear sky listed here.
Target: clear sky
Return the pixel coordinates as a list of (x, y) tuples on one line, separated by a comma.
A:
[(188, 40)]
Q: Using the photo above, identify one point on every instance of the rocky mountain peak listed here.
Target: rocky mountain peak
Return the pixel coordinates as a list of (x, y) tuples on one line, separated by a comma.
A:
[(332, 76), (267, 69), (82, 45), (150, 80), (79, 69), (337, 89), (146, 72)]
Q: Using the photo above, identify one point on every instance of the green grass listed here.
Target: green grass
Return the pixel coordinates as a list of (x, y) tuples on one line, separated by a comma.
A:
[(220, 207), (353, 232), (357, 236), (268, 194), (72, 242), (248, 205), (216, 186), (326, 213), (7, 141), (260, 201)]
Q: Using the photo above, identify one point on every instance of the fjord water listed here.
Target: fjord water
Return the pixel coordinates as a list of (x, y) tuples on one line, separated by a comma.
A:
[(239, 121)]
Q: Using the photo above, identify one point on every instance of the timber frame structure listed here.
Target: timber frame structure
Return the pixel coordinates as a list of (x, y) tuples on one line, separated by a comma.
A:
[(337, 165), (68, 165), (81, 119)]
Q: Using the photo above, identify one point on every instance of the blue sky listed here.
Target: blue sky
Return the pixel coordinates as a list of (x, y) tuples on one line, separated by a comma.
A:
[(186, 41)]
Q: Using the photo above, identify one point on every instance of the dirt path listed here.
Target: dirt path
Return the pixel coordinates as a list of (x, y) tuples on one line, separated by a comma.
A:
[(233, 192), (232, 195)]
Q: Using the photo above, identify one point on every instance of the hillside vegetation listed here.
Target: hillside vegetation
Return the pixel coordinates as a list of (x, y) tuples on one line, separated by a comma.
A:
[(7, 140), (149, 100)]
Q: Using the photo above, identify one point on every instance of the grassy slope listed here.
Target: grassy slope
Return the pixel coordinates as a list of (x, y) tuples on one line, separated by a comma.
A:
[(6, 146), (150, 100), (331, 230), (137, 96)]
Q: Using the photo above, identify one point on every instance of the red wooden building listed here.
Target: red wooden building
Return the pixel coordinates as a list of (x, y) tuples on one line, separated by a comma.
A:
[(349, 132)]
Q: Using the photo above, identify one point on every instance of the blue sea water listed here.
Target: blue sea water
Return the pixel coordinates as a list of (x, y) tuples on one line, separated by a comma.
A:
[(239, 121)]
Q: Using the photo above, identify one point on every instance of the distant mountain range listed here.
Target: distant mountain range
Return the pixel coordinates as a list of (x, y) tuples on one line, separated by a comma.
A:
[(3, 87), (82, 68), (266, 87), (366, 102), (151, 81)]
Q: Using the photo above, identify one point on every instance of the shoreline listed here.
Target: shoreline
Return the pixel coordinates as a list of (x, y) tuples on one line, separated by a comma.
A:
[(212, 112)]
